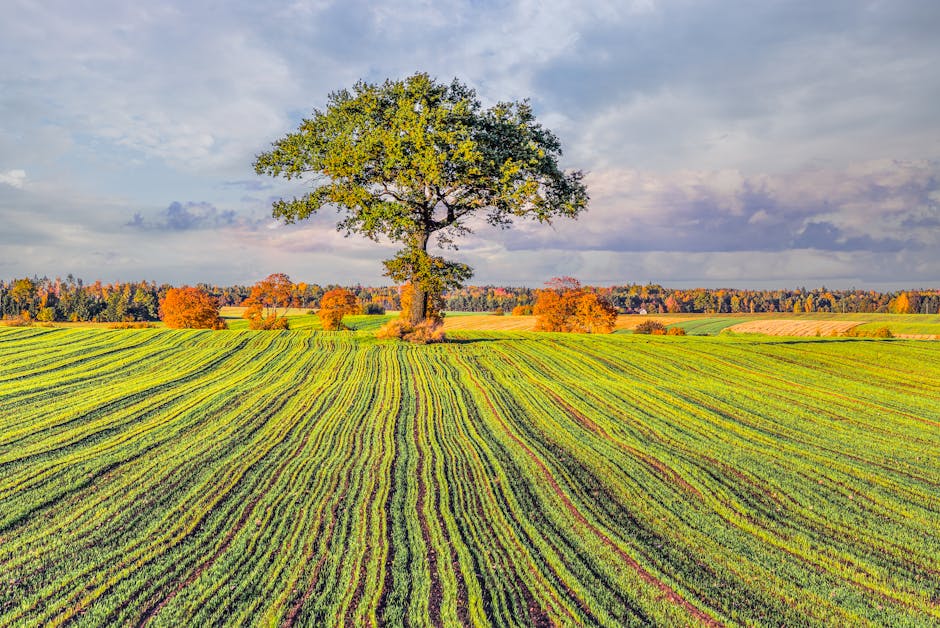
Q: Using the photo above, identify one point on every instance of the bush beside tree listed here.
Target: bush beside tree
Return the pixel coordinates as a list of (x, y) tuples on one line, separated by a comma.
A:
[(429, 330)]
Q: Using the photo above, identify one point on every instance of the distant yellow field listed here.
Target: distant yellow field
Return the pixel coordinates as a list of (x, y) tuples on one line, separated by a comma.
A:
[(784, 327)]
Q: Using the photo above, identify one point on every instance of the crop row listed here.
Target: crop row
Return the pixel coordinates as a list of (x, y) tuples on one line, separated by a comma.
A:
[(160, 477)]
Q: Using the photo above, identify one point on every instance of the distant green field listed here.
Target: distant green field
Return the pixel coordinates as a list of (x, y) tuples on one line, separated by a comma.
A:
[(361, 322), (713, 324), (694, 324), (907, 324), (708, 326), (276, 478)]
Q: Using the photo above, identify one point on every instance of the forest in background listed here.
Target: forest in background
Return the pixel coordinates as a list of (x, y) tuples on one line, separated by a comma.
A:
[(71, 299)]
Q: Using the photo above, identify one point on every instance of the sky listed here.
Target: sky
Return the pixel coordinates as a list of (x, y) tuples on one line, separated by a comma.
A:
[(726, 143)]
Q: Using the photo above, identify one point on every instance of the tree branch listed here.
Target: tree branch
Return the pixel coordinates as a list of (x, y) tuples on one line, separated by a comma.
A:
[(392, 194)]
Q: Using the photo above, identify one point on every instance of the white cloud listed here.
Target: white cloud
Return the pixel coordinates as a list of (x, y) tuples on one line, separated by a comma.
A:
[(719, 137), (199, 92), (13, 178)]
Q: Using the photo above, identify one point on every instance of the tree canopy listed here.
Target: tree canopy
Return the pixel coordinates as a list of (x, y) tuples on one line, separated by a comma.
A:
[(190, 308), (415, 159), (268, 302), (335, 304), (565, 306)]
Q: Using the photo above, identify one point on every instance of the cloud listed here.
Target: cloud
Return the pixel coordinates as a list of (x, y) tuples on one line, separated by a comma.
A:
[(156, 81), (825, 236), (13, 178), (779, 139), (884, 206), (250, 185), (731, 269), (753, 86), (185, 217)]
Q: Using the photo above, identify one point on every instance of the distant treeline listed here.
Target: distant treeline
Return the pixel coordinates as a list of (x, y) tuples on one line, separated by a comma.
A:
[(636, 298), (653, 298), (71, 299)]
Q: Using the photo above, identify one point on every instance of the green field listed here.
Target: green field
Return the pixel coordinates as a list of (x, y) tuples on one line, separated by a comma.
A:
[(236, 477), (708, 326), (362, 322), (714, 324), (906, 324)]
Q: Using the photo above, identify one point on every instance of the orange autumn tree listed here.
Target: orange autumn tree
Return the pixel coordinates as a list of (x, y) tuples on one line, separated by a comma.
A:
[(335, 304), (556, 304), (190, 308), (566, 306), (593, 315), (268, 302)]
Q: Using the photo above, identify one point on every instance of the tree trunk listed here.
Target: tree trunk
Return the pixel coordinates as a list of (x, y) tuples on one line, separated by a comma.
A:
[(419, 297), (419, 301)]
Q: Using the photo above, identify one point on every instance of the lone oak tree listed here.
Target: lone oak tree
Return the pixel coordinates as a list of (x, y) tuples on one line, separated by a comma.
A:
[(415, 159)]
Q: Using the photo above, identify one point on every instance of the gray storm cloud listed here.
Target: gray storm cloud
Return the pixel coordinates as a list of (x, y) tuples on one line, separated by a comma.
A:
[(183, 217)]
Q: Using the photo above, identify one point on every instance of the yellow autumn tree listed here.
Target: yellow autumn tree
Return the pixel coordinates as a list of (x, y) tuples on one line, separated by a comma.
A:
[(593, 315), (900, 304)]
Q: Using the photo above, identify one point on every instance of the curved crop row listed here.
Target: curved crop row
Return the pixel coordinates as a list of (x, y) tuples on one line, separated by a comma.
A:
[(161, 477)]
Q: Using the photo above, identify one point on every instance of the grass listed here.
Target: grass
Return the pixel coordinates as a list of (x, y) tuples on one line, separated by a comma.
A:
[(694, 324), (299, 319), (708, 326), (713, 324), (235, 477), (906, 324)]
